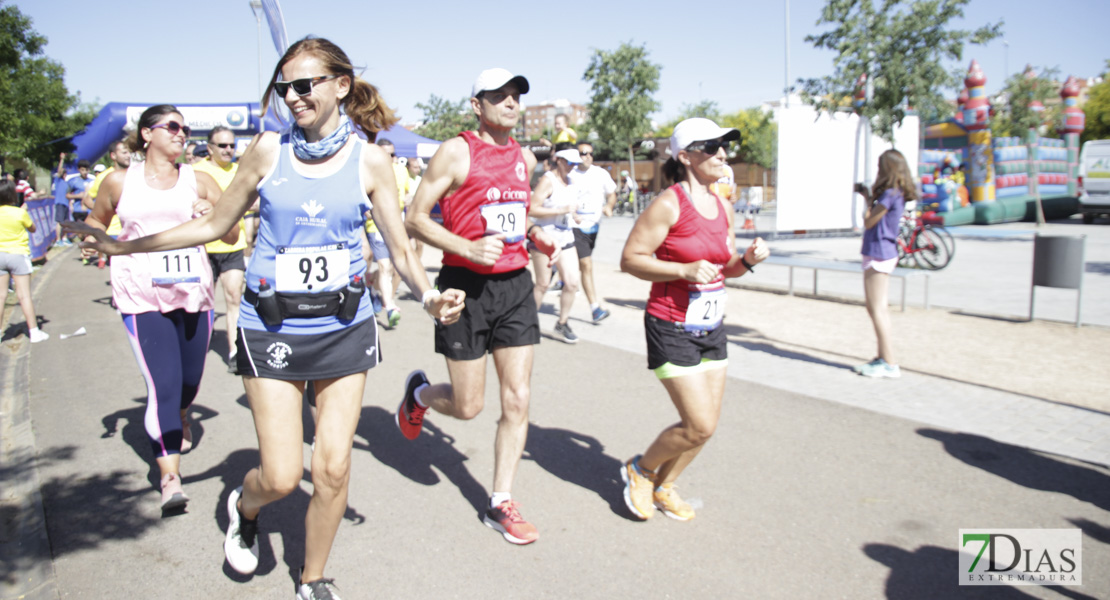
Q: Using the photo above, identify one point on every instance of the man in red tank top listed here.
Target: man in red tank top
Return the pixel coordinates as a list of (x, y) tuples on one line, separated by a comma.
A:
[(480, 181)]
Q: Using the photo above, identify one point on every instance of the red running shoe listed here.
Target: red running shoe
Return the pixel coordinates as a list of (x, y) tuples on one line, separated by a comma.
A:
[(410, 415), (506, 519)]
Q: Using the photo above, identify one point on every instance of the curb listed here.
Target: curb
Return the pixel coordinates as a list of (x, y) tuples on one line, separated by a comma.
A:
[(24, 542)]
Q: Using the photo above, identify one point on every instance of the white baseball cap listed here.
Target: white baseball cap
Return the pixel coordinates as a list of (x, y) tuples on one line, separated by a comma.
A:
[(492, 79), (699, 130), (98, 168), (570, 155)]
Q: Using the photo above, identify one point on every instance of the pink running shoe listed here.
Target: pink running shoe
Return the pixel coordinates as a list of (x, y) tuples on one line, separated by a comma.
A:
[(505, 518), (172, 494)]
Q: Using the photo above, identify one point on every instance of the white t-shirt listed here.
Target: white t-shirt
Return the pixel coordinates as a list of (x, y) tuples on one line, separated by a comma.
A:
[(594, 186)]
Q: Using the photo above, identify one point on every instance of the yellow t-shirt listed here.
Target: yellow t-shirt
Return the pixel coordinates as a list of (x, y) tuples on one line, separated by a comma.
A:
[(401, 174), (115, 227), (566, 135), (14, 221), (223, 179)]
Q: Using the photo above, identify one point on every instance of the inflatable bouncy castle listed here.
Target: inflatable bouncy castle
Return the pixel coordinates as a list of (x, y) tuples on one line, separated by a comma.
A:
[(1005, 175)]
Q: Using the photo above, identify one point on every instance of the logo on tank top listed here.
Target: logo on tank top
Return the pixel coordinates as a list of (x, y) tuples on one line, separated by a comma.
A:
[(495, 195), (279, 354), (313, 208), (520, 170)]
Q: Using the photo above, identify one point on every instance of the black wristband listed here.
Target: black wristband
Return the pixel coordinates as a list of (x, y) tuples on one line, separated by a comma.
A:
[(746, 265)]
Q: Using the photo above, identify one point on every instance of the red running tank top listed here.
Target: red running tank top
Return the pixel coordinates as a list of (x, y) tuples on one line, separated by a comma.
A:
[(494, 198), (691, 239)]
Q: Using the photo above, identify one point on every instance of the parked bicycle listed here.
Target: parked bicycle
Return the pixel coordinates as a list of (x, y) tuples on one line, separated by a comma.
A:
[(924, 242)]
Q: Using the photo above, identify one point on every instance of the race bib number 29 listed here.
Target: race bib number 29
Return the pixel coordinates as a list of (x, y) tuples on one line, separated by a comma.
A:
[(309, 269), (507, 218)]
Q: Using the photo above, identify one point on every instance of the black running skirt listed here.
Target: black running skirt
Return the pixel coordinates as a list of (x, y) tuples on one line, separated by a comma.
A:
[(289, 357)]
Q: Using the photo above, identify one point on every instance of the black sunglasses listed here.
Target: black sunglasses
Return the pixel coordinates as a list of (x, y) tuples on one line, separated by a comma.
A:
[(174, 128), (709, 146), (302, 87), (224, 146), (586, 153)]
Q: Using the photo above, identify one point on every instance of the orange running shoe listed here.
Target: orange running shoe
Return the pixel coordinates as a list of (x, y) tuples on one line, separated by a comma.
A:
[(638, 486), (668, 501)]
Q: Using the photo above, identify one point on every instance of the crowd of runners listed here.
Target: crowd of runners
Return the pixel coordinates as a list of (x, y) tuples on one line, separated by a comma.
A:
[(337, 226)]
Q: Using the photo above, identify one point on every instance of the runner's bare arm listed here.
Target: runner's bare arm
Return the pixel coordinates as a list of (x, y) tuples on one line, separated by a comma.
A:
[(240, 194), (381, 187), (106, 199), (756, 253), (446, 172), (651, 228), (208, 190)]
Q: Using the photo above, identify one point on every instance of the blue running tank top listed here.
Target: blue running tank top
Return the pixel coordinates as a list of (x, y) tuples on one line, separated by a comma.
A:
[(309, 239)]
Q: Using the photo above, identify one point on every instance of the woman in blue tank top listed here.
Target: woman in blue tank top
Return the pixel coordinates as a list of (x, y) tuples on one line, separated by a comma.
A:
[(303, 316)]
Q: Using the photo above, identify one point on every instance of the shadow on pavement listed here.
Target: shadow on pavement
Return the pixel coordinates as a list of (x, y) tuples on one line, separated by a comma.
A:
[(379, 435), (930, 572), (16, 516), (635, 304), (578, 459), (134, 435), (1027, 468), (14, 330), (1099, 533)]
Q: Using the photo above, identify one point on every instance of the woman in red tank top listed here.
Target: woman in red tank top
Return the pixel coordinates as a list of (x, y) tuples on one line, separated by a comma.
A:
[(683, 243)]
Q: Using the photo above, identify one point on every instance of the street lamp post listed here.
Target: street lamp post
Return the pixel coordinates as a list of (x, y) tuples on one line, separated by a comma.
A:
[(256, 8)]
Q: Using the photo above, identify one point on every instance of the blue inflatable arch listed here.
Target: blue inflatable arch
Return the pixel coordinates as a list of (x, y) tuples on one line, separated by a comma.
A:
[(244, 119)]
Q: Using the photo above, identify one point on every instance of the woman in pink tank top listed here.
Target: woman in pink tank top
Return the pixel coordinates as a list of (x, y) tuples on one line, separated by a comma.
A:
[(165, 298), (683, 243)]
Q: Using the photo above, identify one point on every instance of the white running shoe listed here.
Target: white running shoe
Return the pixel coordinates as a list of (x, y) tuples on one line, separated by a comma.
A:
[(241, 543), (37, 335)]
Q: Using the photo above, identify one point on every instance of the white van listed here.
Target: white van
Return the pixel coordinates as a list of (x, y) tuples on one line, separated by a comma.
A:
[(1094, 180)]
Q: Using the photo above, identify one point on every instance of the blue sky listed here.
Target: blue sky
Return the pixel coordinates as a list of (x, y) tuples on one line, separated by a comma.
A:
[(729, 52)]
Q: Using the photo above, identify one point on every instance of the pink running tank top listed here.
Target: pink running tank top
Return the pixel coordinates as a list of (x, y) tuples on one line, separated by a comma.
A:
[(159, 281)]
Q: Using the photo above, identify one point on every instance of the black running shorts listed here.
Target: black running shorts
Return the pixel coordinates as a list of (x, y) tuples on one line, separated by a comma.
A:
[(584, 243), (668, 342), (500, 312), (226, 261), (308, 357)]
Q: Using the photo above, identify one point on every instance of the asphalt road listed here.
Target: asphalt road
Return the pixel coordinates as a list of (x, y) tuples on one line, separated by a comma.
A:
[(797, 497)]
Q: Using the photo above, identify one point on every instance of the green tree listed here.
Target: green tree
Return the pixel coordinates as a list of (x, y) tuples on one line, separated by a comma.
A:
[(35, 107), (758, 136), (1097, 110), (1014, 114), (706, 109), (621, 86), (444, 119), (909, 41)]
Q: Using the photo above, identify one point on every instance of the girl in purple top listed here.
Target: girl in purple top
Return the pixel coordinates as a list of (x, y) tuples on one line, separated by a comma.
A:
[(893, 187)]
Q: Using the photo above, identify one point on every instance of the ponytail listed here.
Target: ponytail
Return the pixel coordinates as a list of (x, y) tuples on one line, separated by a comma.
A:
[(674, 170), (366, 108)]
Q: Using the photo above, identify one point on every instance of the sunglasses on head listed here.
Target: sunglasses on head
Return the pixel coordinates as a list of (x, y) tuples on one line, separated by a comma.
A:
[(709, 146), (302, 87), (174, 128)]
